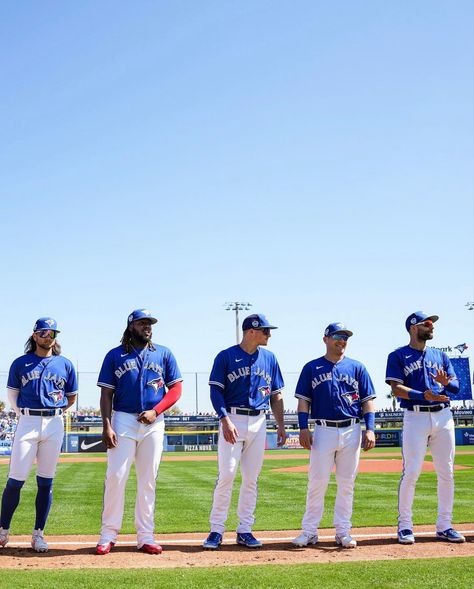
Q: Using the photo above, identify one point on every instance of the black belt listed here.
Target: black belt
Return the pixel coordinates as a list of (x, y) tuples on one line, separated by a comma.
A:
[(427, 408), (345, 423), (243, 411), (41, 412)]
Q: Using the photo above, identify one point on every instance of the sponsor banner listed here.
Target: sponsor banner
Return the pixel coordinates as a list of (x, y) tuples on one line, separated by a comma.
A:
[(292, 442), (388, 438), (196, 448), (463, 372), (464, 436), (91, 443)]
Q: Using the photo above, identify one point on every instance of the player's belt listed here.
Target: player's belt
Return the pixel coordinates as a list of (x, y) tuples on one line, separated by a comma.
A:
[(41, 412), (243, 411), (345, 423), (427, 408)]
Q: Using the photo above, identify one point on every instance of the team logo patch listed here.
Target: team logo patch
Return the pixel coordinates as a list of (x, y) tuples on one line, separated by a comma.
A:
[(351, 397), (413, 321), (265, 391), (57, 396), (50, 322), (157, 384), (255, 323)]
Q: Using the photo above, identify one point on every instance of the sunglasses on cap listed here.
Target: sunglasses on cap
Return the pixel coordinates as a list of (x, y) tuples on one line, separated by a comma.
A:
[(47, 333), (340, 337), (427, 323)]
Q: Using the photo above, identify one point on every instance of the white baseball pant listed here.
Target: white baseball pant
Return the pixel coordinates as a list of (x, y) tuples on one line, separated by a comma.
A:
[(249, 451), (142, 444), (332, 446), (436, 431)]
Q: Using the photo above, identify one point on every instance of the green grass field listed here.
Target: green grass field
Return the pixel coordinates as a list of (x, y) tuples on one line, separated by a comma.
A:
[(184, 494), (442, 573)]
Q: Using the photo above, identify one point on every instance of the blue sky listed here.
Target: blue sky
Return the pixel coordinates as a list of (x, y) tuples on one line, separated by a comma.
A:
[(313, 158)]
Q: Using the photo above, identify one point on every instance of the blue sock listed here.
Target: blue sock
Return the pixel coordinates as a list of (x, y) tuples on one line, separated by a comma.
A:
[(44, 498), (10, 500)]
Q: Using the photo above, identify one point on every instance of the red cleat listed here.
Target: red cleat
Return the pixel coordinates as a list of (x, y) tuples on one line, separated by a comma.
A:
[(151, 549), (104, 548)]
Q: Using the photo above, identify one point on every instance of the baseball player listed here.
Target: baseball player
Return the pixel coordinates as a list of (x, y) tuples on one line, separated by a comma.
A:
[(244, 380), (139, 380), (423, 379), (41, 386), (338, 392)]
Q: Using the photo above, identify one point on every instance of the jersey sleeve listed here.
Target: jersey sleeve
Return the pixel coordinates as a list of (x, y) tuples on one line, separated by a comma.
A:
[(172, 372), (394, 369), (277, 379), (366, 386), (218, 372), (303, 386), (14, 380), (107, 376), (71, 383)]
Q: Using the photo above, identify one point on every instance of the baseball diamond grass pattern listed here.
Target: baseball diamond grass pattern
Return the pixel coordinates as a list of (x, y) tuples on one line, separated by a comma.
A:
[(184, 495), (437, 573)]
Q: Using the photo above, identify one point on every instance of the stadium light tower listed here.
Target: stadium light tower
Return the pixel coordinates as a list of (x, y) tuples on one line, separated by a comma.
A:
[(237, 306), (470, 305)]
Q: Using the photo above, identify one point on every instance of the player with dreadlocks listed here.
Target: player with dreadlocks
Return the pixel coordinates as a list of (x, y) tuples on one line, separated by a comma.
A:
[(139, 381)]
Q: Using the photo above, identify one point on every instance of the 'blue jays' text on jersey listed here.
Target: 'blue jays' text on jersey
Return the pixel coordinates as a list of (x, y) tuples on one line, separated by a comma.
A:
[(335, 391), (138, 378), (412, 368), (42, 382), (247, 380)]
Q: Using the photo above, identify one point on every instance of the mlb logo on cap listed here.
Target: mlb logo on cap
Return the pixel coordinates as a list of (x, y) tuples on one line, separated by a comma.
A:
[(46, 323), (141, 314), (418, 317), (256, 321), (338, 327)]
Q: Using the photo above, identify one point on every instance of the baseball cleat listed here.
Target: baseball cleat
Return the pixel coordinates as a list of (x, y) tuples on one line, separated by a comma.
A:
[(249, 540), (346, 541), (102, 549), (4, 537), (213, 541), (38, 543), (406, 537), (304, 539), (451, 535), (151, 548)]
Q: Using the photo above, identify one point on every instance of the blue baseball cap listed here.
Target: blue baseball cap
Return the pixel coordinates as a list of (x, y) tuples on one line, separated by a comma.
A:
[(338, 327), (141, 314), (256, 321), (419, 317), (46, 323)]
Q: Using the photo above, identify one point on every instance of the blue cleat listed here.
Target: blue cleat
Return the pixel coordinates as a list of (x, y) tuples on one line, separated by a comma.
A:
[(406, 537), (213, 541), (249, 540), (450, 535)]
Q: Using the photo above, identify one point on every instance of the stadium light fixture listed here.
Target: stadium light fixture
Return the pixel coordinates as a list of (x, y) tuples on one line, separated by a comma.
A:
[(237, 306)]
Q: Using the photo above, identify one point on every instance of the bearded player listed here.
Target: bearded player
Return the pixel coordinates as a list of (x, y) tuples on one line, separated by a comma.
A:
[(423, 379), (139, 381)]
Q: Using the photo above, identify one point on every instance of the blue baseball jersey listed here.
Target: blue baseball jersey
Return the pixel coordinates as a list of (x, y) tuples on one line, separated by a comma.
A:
[(246, 380), (138, 378), (335, 391), (42, 383), (412, 368)]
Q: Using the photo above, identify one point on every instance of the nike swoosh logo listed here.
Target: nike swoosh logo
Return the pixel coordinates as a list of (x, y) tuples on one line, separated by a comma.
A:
[(123, 355), (85, 446), (408, 356), (318, 367), (239, 360), (30, 364)]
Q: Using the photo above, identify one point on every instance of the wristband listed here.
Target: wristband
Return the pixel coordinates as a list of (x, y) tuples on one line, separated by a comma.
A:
[(416, 396), (303, 419), (369, 419)]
